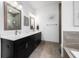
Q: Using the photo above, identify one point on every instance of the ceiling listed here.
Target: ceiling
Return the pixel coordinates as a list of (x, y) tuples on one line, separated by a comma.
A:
[(42, 4), (37, 5)]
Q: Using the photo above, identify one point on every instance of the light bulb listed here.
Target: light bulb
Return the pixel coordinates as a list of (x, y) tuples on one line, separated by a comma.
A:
[(20, 6), (15, 3), (10, 10)]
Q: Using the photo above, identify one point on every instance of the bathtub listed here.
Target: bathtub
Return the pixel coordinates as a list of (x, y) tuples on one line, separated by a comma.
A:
[(72, 50)]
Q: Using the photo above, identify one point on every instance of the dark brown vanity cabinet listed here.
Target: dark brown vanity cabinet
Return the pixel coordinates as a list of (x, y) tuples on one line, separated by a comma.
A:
[(21, 48), (37, 39), (7, 48)]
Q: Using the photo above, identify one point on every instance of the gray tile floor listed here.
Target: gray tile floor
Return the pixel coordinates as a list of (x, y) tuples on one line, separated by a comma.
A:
[(46, 50)]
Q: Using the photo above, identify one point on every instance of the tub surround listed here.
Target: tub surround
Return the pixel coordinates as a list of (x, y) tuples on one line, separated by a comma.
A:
[(70, 37)]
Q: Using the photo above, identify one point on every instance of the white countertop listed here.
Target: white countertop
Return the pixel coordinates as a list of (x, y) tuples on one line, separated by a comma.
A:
[(19, 36)]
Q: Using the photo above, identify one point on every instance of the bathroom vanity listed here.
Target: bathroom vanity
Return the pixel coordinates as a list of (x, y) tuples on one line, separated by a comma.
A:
[(20, 48), (17, 45)]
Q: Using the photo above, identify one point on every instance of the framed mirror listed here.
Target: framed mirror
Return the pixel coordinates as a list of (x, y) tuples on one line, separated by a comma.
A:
[(32, 23), (26, 21), (76, 13), (12, 17)]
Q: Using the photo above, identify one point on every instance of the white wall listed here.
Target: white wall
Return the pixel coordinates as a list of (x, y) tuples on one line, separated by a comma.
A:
[(1, 24), (67, 16), (0, 48), (51, 32)]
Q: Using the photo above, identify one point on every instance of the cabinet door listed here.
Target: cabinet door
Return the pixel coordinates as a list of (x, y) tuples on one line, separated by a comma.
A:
[(22, 48), (6, 49), (31, 43), (25, 46), (37, 38)]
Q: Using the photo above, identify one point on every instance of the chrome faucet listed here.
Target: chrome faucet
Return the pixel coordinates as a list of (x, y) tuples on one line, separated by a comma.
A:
[(16, 32)]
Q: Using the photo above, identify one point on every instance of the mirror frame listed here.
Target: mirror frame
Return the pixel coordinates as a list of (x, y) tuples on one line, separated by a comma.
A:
[(5, 16), (32, 26)]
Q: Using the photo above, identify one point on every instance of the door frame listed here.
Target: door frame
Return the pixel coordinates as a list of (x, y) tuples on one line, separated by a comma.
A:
[(60, 27)]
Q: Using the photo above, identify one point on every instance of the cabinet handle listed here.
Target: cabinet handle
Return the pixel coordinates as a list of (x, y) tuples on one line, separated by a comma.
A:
[(9, 45), (26, 45)]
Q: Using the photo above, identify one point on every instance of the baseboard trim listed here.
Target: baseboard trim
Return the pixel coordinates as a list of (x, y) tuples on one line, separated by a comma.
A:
[(49, 41)]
